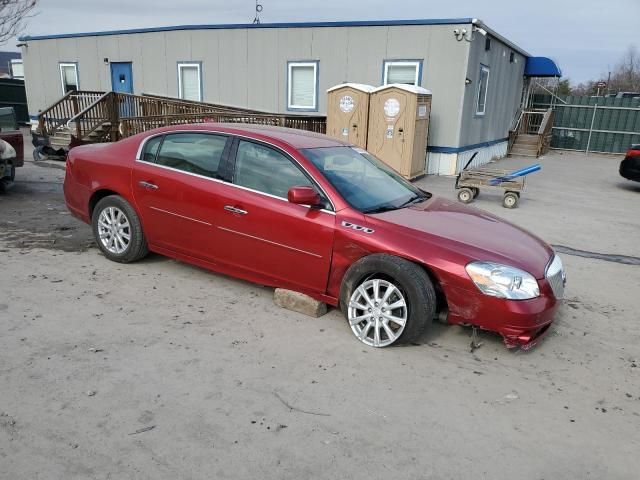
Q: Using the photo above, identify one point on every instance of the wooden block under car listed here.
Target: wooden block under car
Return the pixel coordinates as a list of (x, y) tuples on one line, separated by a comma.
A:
[(299, 302)]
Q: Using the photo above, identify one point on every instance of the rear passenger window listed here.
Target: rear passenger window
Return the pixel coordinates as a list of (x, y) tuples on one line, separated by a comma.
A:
[(197, 153), (262, 168), (151, 149)]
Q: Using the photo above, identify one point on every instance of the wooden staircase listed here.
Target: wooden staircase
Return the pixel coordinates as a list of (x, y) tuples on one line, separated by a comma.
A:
[(531, 135), (92, 117)]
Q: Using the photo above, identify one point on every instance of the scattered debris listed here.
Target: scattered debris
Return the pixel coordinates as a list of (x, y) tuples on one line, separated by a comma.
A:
[(142, 430), (475, 344), (95, 350), (91, 393), (291, 407), (509, 397)]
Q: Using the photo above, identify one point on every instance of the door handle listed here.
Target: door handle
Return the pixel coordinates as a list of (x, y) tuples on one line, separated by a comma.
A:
[(149, 185), (232, 209)]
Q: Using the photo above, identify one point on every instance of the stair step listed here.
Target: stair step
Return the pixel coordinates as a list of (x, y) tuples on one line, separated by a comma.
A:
[(527, 141), (523, 153), (525, 146)]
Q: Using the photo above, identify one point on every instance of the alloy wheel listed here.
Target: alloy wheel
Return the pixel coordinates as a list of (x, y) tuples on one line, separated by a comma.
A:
[(114, 230), (377, 312)]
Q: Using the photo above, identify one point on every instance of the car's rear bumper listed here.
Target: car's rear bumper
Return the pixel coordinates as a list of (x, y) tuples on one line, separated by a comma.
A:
[(522, 323)]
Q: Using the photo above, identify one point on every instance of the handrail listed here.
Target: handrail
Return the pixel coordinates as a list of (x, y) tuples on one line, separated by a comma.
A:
[(76, 116)]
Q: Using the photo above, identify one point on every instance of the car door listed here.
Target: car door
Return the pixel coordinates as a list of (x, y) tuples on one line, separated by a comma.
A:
[(262, 231), (174, 183)]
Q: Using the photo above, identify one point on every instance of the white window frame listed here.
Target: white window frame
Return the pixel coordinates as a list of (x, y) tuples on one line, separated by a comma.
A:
[(483, 68), (290, 67), (68, 64), (198, 65), (401, 63)]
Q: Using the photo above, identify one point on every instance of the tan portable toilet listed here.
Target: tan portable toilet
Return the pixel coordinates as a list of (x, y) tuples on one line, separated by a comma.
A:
[(399, 126), (348, 112)]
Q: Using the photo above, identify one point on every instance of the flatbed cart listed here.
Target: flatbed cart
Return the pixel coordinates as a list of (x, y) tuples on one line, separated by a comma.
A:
[(469, 182)]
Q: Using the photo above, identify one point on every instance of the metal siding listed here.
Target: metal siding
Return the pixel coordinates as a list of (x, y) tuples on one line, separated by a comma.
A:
[(178, 49), (330, 47), (204, 48), (108, 49), (367, 48), (232, 52), (264, 72), (444, 72), (503, 95), (248, 67), (154, 73)]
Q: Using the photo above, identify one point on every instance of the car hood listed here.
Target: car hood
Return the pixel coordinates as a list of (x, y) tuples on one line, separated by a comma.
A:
[(474, 233)]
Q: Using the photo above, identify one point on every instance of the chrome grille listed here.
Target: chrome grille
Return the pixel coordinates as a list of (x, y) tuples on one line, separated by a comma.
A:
[(556, 277)]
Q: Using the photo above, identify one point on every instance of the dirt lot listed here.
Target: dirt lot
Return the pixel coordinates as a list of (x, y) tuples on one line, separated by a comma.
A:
[(162, 370)]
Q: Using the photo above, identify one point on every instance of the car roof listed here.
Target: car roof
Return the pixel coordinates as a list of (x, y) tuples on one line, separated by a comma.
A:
[(291, 136)]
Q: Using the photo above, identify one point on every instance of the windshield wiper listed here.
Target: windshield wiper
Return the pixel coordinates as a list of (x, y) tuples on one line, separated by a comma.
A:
[(413, 200), (380, 209)]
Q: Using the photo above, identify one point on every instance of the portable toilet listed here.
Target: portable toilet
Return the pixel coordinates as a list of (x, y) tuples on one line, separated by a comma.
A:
[(348, 112), (399, 127)]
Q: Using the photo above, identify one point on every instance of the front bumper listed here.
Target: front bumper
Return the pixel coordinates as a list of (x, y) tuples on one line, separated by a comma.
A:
[(522, 323), (630, 168)]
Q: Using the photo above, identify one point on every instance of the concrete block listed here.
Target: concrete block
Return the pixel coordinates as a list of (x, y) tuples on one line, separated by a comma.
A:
[(299, 302)]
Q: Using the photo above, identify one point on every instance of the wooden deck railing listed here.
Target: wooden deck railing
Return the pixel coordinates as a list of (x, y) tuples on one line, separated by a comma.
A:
[(56, 116), (134, 125), (122, 115)]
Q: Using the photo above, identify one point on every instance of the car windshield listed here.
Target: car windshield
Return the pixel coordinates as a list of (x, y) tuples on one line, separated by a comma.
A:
[(366, 183)]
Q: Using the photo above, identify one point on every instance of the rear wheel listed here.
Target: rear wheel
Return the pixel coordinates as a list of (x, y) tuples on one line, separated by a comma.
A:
[(117, 230), (387, 300), (465, 195), (510, 200)]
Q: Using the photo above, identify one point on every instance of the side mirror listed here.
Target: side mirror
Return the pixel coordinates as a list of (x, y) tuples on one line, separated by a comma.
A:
[(303, 196)]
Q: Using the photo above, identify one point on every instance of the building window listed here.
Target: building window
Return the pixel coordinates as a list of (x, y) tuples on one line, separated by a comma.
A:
[(402, 71), (17, 69), (483, 86), (487, 44), (69, 77), (512, 57), (302, 86), (190, 81)]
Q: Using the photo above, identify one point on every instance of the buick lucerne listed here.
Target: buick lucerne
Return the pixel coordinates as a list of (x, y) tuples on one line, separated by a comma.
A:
[(302, 211)]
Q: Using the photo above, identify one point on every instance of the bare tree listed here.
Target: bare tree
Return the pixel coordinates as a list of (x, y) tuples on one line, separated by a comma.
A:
[(13, 13), (626, 76)]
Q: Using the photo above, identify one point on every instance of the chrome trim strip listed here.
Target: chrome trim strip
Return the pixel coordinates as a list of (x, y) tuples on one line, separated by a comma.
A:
[(270, 242), (145, 140), (181, 216)]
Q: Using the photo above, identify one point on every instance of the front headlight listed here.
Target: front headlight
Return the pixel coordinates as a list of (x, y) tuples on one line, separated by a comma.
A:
[(503, 281)]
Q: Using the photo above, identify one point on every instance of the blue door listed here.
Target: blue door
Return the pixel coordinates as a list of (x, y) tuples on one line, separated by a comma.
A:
[(122, 77), (122, 81)]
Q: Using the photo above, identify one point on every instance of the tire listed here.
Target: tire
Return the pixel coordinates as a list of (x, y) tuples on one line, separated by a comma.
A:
[(465, 195), (128, 224), (510, 200), (413, 287)]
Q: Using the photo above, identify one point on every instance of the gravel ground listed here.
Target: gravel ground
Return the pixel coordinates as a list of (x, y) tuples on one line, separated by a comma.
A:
[(162, 370)]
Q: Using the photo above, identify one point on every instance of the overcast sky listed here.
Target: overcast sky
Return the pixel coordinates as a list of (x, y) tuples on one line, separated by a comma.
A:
[(585, 37)]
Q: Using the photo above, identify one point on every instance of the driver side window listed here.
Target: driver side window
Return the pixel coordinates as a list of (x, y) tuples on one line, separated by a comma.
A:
[(264, 169)]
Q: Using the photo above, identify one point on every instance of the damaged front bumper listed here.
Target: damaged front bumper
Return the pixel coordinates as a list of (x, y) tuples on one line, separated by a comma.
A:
[(522, 323)]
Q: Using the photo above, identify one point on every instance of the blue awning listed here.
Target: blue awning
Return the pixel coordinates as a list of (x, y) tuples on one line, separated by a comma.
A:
[(541, 67)]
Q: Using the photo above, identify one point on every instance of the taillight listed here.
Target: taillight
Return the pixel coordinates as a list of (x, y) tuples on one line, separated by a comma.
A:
[(633, 153)]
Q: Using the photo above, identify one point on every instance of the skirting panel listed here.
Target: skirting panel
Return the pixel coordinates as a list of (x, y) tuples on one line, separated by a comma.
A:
[(452, 163)]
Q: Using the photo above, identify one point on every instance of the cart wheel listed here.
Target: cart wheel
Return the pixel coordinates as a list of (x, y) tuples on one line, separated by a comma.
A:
[(476, 192), (510, 200), (465, 195)]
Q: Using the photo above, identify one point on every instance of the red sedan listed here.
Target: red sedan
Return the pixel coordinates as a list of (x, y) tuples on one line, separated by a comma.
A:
[(303, 211)]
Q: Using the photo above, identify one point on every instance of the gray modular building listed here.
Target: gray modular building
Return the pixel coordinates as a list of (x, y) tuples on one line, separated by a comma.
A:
[(476, 76)]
